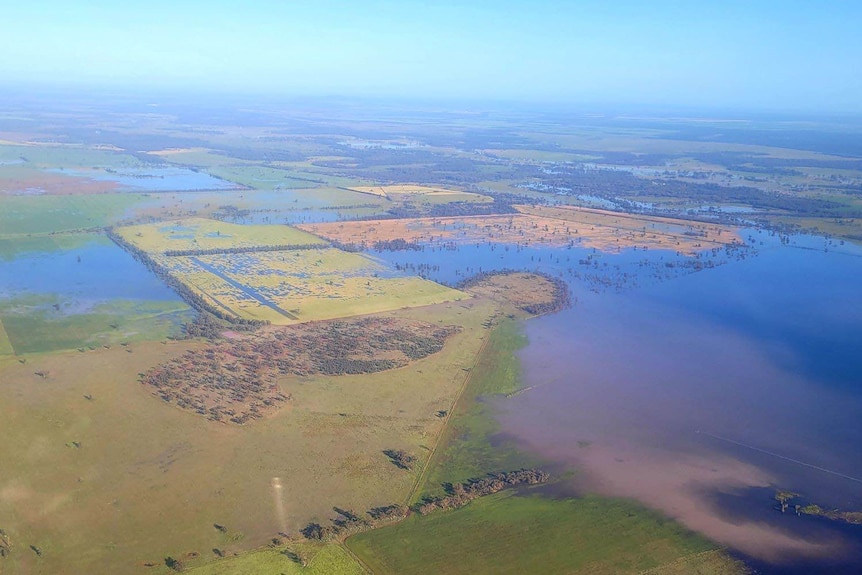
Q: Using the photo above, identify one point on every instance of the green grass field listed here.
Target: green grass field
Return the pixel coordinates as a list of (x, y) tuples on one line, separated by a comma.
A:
[(206, 234), (35, 215), (110, 323), (199, 157), (66, 156), (466, 448), (508, 533), (264, 178), (330, 559), (150, 480)]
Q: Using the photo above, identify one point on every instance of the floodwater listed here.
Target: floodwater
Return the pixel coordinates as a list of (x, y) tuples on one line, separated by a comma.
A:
[(93, 272), (698, 393), (701, 395), (97, 268), (157, 179)]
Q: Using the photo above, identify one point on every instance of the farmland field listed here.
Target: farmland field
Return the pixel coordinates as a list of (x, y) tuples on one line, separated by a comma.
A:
[(205, 234), (507, 533), (280, 285), (304, 285)]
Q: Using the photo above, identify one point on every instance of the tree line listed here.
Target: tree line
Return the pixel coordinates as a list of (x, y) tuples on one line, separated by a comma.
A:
[(458, 495), (244, 249)]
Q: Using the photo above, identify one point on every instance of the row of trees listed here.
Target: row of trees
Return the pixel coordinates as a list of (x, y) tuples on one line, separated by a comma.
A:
[(244, 249), (460, 494), (347, 522), (5, 544)]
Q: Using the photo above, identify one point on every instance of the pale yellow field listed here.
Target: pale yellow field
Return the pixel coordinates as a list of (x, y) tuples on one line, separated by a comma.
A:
[(205, 234), (307, 284)]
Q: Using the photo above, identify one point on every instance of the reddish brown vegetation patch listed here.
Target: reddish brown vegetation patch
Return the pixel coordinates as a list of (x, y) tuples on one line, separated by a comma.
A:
[(54, 184), (236, 380)]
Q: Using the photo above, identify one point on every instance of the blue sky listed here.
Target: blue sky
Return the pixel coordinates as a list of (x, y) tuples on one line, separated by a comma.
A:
[(784, 55)]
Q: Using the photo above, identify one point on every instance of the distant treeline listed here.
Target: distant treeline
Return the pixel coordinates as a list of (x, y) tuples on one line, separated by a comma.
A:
[(190, 297), (245, 249), (458, 209), (579, 180), (560, 299)]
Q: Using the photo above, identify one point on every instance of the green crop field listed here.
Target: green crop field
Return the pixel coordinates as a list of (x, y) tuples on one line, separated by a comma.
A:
[(508, 533)]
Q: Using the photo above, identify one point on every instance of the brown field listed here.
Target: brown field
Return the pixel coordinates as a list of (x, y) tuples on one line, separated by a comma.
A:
[(543, 226)]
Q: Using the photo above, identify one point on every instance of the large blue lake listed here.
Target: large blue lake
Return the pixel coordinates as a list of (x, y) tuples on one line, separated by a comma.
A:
[(702, 393)]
